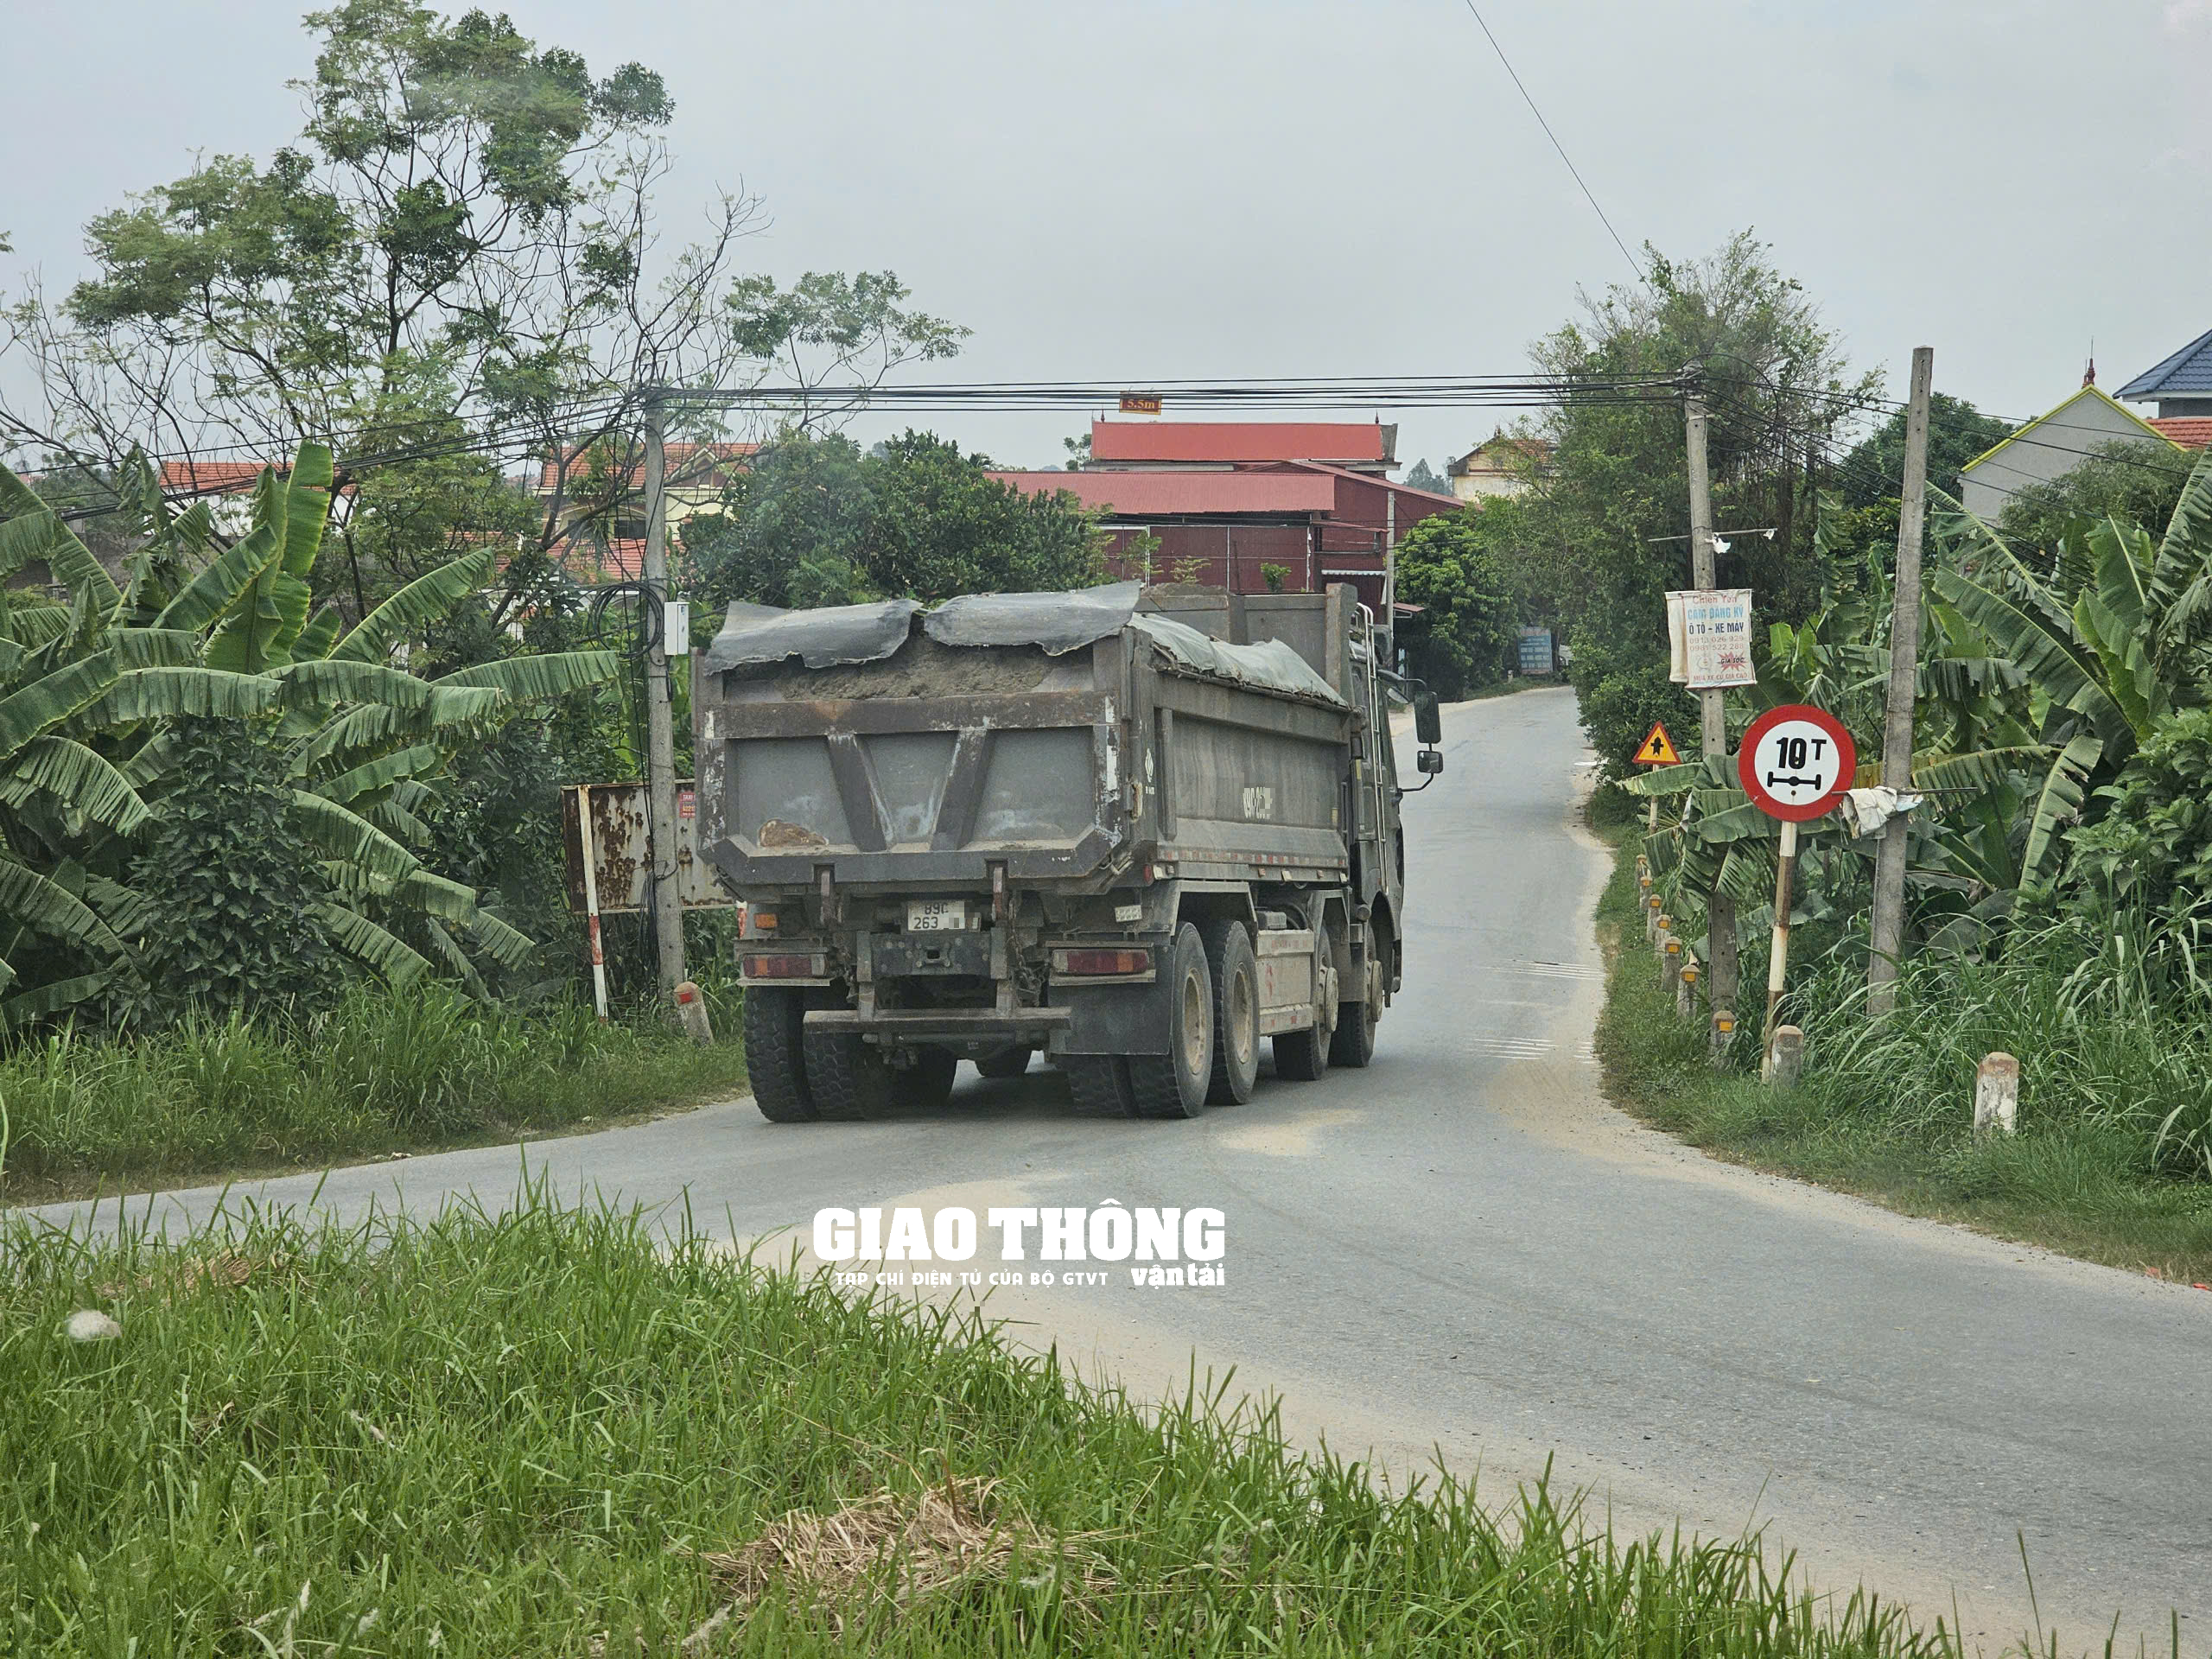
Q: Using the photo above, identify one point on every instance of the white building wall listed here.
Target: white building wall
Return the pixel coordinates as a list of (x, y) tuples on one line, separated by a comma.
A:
[(2053, 448)]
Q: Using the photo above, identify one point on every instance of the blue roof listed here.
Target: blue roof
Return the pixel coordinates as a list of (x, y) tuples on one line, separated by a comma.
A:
[(2187, 373)]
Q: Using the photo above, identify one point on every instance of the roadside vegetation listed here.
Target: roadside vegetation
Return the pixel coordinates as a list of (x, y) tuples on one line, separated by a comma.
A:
[(319, 525), (392, 1440), (2059, 870), (375, 1073), (2112, 1089)]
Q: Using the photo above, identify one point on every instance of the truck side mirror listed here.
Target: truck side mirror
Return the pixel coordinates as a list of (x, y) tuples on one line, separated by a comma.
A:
[(1429, 725), (1430, 761)]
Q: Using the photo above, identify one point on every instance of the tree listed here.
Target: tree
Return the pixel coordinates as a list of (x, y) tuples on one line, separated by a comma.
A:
[(1606, 528), (940, 525), (1873, 471), (90, 692), (814, 521), (2138, 481), (1450, 565), (1421, 479), (460, 252)]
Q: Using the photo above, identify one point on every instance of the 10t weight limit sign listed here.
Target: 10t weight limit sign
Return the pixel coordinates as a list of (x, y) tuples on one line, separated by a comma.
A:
[(1797, 761)]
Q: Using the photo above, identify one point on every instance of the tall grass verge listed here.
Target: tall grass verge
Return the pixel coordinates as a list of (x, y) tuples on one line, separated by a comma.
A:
[(564, 1434), (378, 1072), (2115, 1052)]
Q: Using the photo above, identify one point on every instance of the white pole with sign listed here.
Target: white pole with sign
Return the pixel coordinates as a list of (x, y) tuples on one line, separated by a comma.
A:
[(1795, 764)]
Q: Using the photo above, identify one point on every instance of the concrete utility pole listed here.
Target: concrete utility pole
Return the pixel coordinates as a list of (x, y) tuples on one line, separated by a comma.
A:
[(1713, 712), (1897, 726), (660, 728)]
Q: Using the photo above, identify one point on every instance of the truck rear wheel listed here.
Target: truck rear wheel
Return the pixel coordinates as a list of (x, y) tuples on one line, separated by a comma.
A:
[(1303, 1056), (1099, 1084), (1174, 1084), (1354, 1045), (1235, 973), (849, 1080), (774, 1053), (927, 1083), (1006, 1062)]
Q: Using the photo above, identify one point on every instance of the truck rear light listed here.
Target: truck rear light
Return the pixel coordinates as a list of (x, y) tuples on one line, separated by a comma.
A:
[(1101, 964), (784, 965)]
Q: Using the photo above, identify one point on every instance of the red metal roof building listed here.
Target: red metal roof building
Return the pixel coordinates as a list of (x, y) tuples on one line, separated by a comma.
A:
[(1368, 447), (1229, 504)]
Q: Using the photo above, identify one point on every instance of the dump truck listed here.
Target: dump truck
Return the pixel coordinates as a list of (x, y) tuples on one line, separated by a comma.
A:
[(1138, 829)]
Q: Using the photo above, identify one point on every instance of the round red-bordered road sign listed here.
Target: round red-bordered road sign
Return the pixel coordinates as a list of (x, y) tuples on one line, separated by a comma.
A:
[(1796, 762)]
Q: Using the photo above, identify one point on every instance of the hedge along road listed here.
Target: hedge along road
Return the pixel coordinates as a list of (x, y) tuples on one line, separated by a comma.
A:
[(1463, 1253)]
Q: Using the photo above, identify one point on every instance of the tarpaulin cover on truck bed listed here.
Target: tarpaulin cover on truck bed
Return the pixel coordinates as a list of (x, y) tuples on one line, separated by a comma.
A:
[(1271, 664), (820, 639), (1057, 623)]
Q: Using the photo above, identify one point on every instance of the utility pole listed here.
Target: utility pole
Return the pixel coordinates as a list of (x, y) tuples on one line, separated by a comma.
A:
[(1713, 712), (1897, 726), (660, 728)]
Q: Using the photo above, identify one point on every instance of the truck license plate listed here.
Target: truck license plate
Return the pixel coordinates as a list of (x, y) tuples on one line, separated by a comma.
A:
[(935, 915)]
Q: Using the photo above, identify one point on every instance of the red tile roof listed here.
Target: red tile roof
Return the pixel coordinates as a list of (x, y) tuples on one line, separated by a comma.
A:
[(1174, 494), (1347, 440), (680, 464), (2189, 431)]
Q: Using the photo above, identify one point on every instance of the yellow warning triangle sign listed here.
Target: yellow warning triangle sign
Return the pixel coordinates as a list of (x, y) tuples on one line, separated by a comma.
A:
[(1658, 748)]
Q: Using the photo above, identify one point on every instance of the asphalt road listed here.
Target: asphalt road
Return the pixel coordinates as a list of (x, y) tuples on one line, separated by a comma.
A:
[(1463, 1254)]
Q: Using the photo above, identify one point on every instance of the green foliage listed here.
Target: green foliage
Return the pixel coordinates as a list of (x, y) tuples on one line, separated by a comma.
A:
[(1618, 705), (1872, 473), (375, 1071), (234, 898), (542, 1422), (828, 328), (814, 521), (1420, 477), (2153, 849), (2134, 481), (1453, 565), (1592, 550), (90, 706), (2108, 1052)]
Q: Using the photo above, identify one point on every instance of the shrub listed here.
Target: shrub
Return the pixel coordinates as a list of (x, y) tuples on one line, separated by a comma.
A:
[(234, 893)]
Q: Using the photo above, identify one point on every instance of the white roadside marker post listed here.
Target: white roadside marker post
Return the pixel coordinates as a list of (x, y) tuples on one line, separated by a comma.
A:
[(1996, 1096)]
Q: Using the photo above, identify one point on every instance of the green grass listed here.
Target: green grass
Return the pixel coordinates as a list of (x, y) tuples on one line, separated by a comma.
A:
[(1885, 1110), (379, 1074), (474, 1438)]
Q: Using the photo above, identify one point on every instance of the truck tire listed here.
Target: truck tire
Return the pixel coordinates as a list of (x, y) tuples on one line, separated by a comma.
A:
[(1099, 1084), (849, 1080), (1006, 1062), (774, 1053), (1303, 1056), (926, 1085), (1236, 974), (1354, 1045), (1174, 1084)]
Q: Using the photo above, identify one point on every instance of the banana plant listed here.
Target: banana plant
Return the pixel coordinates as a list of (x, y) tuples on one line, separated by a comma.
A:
[(228, 633), (72, 675), (2109, 647)]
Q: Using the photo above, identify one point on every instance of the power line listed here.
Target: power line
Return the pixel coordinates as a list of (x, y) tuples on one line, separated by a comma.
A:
[(1556, 145)]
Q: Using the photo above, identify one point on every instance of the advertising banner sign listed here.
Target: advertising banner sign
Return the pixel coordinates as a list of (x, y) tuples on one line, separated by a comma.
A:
[(1709, 637)]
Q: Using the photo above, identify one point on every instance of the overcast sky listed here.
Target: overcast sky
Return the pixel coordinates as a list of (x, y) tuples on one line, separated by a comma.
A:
[(1140, 190)]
